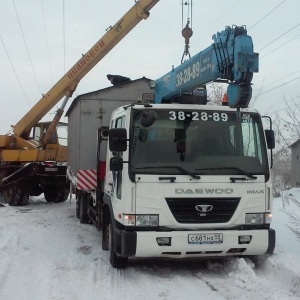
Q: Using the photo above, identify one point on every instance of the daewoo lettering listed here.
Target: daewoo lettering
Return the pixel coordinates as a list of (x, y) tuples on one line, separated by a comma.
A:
[(203, 191)]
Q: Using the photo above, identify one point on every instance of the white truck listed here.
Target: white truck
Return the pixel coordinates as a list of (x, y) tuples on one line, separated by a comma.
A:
[(162, 174)]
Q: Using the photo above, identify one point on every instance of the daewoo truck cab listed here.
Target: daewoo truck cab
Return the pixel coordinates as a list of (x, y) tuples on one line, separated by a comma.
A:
[(188, 180)]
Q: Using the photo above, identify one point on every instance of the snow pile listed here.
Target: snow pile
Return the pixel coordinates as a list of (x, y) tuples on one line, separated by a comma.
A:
[(47, 254)]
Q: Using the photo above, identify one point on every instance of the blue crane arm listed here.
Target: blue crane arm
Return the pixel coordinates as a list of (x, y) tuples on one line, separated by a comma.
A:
[(229, 59)]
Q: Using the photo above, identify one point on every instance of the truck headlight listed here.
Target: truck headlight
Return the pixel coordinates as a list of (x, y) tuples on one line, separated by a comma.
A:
[(258, 218), (141, 220)]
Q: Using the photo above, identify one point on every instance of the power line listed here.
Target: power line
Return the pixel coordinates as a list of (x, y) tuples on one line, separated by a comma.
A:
[(292, 39), (279, 109), (26, 47), (7, 53), (46, 37), (276, 87), (266, 14), (282, 78), (270, 107), (217, 20), (279, 37)]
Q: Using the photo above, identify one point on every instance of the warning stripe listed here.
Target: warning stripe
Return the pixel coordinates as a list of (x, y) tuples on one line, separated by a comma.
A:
[(86, 179)]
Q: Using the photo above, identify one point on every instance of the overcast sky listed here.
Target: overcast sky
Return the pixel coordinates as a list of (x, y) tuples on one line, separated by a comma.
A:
[(38, 45)]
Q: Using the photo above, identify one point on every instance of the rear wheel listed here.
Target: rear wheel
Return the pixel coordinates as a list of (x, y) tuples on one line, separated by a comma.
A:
[(64, 196), (105, 232), (52, 195), (115, 260), (13, 196), (83, 209), (24, 199), (77, 207)]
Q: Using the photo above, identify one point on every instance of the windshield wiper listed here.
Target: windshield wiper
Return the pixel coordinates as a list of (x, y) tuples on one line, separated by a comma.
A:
[(241, 172), (183, 170)]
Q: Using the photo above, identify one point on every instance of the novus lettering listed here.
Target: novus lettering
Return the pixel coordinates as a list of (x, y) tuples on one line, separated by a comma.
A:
[(256, 192)]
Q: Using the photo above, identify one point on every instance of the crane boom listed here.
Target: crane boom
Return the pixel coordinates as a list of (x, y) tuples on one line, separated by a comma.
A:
[(68, 83), (33, 158), (229, 59)]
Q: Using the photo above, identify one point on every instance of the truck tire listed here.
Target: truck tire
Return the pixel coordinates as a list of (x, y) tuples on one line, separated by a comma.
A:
[(83, 207), (24, 199), (115, 261), (77, 207), (52, 195), (64, 196), (105, 232), (13, 196)]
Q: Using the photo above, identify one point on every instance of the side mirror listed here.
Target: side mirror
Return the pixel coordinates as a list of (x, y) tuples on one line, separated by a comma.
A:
[(270, 137), (116, 164), (117, 140)]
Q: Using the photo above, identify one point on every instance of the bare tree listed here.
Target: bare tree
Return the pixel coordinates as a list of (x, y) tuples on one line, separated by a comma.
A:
[(293, 216), (287, 130), (286, 126), (216, 93)]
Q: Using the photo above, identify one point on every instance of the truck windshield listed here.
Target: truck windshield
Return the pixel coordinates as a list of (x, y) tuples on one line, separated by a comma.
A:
[(202, 142)]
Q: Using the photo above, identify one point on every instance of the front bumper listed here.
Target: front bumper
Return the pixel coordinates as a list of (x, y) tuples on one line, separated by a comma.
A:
[(144, 244)]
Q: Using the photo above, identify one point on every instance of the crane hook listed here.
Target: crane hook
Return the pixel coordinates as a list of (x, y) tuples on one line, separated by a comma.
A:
[(187, 33)]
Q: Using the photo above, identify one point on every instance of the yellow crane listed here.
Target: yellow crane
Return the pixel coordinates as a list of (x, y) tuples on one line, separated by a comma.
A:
[(32, 159)]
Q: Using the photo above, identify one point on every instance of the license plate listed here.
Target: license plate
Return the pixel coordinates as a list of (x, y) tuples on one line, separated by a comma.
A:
[(206, 238), (51, 169)]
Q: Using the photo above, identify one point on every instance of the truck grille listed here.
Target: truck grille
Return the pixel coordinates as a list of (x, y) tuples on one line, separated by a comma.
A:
[(210, 210)]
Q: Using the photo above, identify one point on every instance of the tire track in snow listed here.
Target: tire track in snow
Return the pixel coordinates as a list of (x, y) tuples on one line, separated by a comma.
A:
[(286, 277), (117, 284), (170, 279), (9, 242), (237, 278)]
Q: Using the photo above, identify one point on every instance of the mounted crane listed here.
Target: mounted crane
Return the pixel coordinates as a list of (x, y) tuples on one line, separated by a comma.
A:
[(33, 161), (230, 59)]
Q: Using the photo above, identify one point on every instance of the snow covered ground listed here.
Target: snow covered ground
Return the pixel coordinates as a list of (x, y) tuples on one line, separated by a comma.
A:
[(45, 253)]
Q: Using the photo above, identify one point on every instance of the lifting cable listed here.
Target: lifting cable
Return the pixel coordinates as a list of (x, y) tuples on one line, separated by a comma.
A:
[(187, 31)]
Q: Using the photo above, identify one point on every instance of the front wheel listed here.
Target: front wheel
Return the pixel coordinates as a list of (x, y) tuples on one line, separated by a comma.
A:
[(115, 260)]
